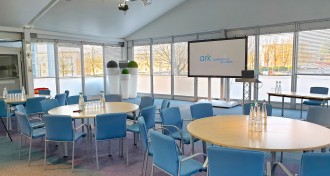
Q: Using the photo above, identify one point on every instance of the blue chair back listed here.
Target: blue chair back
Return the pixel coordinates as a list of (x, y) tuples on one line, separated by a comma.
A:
[(247, 106), (315, 164), (201, 110), (48, 104), (318, 115), (165, 152), (171, 116), (33, 105), (235, 162), (113, 98), (75, 99), (59, 128), (24, 124), (146, 101), (165, 104), (44, 92), (319, 90), (61, 98), (110, 126), (3, 108), (14, 91), (20, 108), (148, 114), (143, 133)]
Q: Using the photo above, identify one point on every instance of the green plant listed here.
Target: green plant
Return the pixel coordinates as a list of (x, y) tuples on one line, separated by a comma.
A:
[(132, 64), (112, 64), (124, 71)]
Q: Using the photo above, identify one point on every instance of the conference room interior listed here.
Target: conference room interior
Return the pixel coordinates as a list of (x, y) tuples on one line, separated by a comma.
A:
[(185, 56)]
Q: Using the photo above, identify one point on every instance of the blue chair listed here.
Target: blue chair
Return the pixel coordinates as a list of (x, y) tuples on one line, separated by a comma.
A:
[(235, 162), (166, 156), (33, 105), (172, 120), (59, 129), (146, 101), (201, 110), (145, 143), (247, 106), (110, 126), (319, 115), (14, 91), (44, 92), (48, 104), (113, 98), (5, 115), (148, 115), (28, 131), (165, 104), (67, 92), (75, 99), (61, 98), (316, 90), (35, 122)]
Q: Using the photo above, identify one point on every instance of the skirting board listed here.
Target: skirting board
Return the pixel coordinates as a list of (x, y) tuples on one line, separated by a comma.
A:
[(220, 103)]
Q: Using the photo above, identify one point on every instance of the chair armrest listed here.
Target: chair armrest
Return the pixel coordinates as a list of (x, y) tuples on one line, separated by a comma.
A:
[(192, 156), (80, 126), (35, 118), (282, 167), (176, 128)]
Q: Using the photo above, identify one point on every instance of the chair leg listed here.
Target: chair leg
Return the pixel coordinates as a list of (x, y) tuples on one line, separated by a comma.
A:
[(144, 159), (152, 169), (30, 151), (147, 157), (45, 155), (126, 151), (72, 156), (20, 146), (134, 138), (97, 156), (109, 148)]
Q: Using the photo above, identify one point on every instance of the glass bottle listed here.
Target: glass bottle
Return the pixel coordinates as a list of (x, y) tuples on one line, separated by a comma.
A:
[(4, 93), (279, 87), (102, 100), (258, 120), (23, 92), (81, 102), (264, 112), (251, 118)]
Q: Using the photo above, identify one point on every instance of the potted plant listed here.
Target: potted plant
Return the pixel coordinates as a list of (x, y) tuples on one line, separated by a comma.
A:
[(124, 83), (133, 70), (113, 77)]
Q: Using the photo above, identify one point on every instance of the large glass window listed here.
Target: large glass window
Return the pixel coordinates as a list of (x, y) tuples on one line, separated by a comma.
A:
[(69, 66), (202, 88), (183, 85), (215, 88), (162, 68), (43, 67), (93, 63), (275, 63), (142, 57)]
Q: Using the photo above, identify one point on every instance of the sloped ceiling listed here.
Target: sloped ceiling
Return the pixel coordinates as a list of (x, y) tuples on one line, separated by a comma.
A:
[(99, 18)]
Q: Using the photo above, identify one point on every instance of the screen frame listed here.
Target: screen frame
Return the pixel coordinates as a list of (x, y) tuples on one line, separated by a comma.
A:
[(220, 39)]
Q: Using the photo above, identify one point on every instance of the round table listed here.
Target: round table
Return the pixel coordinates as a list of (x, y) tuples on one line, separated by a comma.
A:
[(23, 100), (110, 107), (279, 135)]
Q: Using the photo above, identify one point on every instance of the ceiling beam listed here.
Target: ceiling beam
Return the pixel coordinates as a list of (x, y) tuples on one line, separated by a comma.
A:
[(42, 12)]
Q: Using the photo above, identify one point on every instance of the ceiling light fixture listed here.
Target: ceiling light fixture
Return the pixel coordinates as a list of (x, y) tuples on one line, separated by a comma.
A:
[(124, 7)]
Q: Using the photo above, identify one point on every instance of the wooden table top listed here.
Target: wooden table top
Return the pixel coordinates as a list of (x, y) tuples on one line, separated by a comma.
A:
[(304, 95), (22, 100), (280, 134), (110, 107)]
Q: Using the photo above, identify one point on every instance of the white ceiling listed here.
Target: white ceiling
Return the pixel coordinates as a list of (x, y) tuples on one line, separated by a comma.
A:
[(99, 18)]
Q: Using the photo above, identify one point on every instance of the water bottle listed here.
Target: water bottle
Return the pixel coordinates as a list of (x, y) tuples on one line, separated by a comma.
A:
[(23, 92), (81, 103), (4, 93), (279, 87), (251, 118), (264, 112), (258, 121), (102, 100), (276, 87)]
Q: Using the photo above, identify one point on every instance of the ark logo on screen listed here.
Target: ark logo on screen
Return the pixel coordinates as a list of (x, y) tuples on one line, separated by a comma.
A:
[(209, 58)]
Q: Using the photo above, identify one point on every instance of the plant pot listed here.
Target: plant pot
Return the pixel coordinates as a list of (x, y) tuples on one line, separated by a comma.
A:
[(124, 85), (113, 80), (133, 82)]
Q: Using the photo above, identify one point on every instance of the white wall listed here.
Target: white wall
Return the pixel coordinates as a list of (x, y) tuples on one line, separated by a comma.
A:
[(195, 16)]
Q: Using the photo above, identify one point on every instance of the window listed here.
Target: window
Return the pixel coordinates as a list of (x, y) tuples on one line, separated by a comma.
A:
[(162, 69), (183, 85), (142, 57), (69, 66), (275, 63), (93, 63), (43, 67)]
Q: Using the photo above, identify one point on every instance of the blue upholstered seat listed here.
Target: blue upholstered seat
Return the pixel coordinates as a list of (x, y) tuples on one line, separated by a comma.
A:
[(165, 104), (201, 110), (247, 106), (113, 98), (146, 101), (61, 98), (316, 90)]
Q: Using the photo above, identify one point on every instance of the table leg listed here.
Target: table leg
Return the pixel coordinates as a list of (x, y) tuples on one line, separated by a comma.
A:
[(301, 106), (204, 149), (282, 106), (65, 144), (273, 157)]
